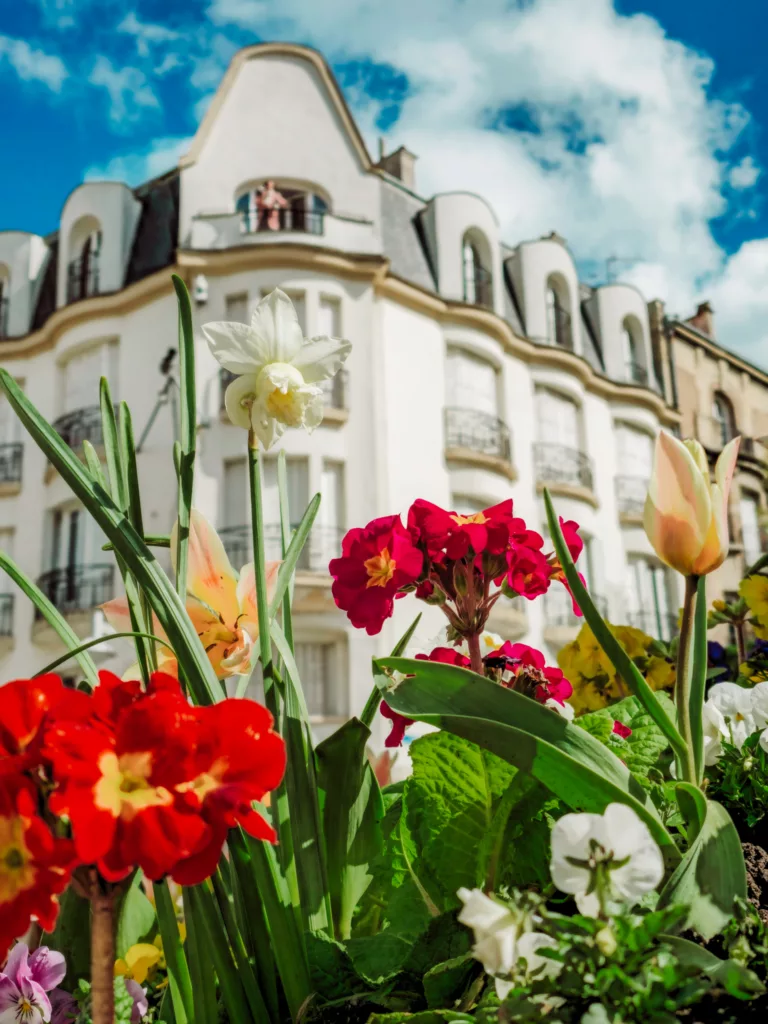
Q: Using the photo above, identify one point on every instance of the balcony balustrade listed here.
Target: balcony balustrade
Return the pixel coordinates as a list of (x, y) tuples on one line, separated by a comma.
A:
[(478, 432), (630, 495), (290, 218), (80, 425), (658, 624), (324, 543), (78, 588), (559, 464), (10, 462)]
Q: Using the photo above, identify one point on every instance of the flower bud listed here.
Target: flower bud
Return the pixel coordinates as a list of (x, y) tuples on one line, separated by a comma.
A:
[(507, 590), (749, 764), (686, 514), (605, 941)]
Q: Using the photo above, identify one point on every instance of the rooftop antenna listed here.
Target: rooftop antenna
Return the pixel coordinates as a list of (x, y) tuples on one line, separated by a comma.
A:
[(166, 396)]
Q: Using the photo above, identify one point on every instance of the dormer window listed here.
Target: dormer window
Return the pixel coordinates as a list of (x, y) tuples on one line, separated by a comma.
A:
[(478, 280), (272, 206), (559, 330), (83, 266)]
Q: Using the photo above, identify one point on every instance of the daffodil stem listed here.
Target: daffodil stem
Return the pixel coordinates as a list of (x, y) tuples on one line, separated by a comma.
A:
[(102, 950), (260, 574), (475, 655), (684, 679)]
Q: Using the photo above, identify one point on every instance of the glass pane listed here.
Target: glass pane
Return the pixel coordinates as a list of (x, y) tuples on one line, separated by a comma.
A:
[(9, 423), (471, 383), (328, 317), (635, 452), (235, 510), (81, 380), (557, 419), (236, 308), (750, 528), (312, 661)]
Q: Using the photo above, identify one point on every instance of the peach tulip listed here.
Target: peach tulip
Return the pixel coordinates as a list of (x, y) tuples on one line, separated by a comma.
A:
[(686, 513), (220, 602)]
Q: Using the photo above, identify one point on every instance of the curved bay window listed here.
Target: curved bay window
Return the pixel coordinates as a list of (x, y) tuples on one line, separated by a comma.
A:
[(275, 207), (725, 421), (477, 277), (559, 328), (78, 575), (83, 266), (5, 281), (649, 599)]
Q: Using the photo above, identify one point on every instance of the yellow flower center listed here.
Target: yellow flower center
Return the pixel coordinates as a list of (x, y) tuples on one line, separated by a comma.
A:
[(478, 517), (206, 782), (16, 870), (380, 569), (124, 788)]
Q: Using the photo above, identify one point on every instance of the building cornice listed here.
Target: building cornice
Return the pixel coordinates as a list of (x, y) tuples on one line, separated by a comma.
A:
[(687, 332), (371, 267)]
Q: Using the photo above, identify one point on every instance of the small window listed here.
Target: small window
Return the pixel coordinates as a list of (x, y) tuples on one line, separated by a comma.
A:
[(5, 289), (477, 276), (558, 419), (84, 256), (236, 308), (472, 382), (559, 329), (274, 207), (329, 317), (321, 669), (648, 599), (725, 422)]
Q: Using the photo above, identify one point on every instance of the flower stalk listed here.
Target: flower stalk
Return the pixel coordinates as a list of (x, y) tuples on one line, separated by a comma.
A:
[(102, 896), (684, 681), (475, 654)]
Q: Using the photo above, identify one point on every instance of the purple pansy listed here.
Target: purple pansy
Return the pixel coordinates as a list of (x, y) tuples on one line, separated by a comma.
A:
[(25, 982)]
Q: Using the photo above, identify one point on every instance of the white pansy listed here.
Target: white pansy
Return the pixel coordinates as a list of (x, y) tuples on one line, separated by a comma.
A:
[(764, 739), (537, 965), (566, 710), (615, 846), (745, 710), (760, 704), (278, 370), (715, 731)]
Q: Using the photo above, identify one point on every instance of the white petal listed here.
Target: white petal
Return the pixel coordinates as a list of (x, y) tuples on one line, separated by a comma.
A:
[(730, 699), (759, 697), (542, 966), (240, 388), (480, 912), (630, 838), (234, 346), (321, 358), (276, 327), (588, 905), (502, 988), (497, 951), (313, 414), (566, 710), (570, 838), (764, 739)]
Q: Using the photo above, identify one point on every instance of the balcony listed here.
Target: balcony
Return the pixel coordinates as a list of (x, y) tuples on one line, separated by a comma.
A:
[(477, 438), (631, 492), (215, 231), (660, 625), (82, 278), (561, 624), (335, 390), (636, 373), (11, 456), (478, 287), (78, 588), (291, 218), (558, 466), (3, 317), (80, 425), (324, 544)]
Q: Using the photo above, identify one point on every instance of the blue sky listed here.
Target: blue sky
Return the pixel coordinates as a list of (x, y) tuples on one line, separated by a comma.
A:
[(636, 129)]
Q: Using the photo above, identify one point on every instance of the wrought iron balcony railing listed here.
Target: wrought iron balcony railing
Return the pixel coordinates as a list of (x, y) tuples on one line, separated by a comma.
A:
[(6, 614), (10, 462), (658, 624), (637, 373), (78, 588), (335, 389), (290, 218), (630, 494), (559, 464), (3, 317), (324, 543), (558, 607), (80, 425), (82, 277), (479, 432)]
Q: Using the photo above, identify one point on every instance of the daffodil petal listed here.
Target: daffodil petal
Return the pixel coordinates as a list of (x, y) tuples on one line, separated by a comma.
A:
[(235, 346), (210, 577), (321, 358), (276, 329), (238, 390)]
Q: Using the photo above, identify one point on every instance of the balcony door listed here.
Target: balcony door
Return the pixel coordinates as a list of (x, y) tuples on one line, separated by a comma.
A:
[(557, 420), (648, 600), (472, 383), (635, 449)]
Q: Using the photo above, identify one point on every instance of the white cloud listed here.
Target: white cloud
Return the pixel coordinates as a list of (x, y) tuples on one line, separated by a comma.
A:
[(33, 65), (146, 34), (136, 168), (630, 155), (130, 94)]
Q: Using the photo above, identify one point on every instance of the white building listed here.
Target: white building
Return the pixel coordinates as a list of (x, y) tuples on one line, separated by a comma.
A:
[(479, 370)]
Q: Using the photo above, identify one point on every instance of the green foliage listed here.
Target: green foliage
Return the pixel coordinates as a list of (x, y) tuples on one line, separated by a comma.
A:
[(123, 1002), (135, 917), (641, 750), (740, 780)]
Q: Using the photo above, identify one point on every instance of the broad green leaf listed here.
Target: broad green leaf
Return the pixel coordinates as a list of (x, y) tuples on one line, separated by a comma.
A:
[(734, 977), (352, 810), (641, 749), (331, 969), (135, 917), (72, 934), (711, 876), (445, 982), (573, 765), (621, 661), (368, 714)]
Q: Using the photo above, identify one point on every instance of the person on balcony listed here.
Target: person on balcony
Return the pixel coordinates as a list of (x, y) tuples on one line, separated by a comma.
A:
[(269, 203)]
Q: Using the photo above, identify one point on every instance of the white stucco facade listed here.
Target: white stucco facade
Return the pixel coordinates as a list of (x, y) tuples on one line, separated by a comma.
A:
[(463, 403)]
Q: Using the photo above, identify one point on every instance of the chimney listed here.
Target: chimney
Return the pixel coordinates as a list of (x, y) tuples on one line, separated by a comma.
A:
[(399, 164), (704, 320)]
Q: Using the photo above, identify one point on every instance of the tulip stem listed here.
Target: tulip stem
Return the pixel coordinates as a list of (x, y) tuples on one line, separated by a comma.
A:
[(684, 678), (475, 655)]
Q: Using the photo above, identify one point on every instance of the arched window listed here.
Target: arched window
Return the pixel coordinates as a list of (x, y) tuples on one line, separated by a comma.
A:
[(84, 253), (477, 277), (273, 206), (722, 414), (632, 340), (5, 280), (559, 331)]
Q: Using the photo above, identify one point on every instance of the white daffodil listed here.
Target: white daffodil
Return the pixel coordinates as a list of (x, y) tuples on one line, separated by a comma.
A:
[(602, 857), (278, 370), (735, 704)]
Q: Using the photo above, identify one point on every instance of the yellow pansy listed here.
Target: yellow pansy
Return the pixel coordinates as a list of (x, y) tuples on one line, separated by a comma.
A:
[(754, 590), (660, 674), (138, 961)]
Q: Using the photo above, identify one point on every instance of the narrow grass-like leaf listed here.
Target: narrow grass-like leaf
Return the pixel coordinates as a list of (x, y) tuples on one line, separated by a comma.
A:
[(179, 979), (253, 924), (575, 766), (94, 642), (185, 461), (374, 700), (621, 661), (202, 975), (699, 676), (93, 463), (693, 807), (292, 555), (206, 914), (285, 536), (165, 602), (260, 573), (245, 968), (117, 481), (53, 617), (152, 540)]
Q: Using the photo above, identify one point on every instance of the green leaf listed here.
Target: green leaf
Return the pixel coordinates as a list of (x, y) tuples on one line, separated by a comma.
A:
[(352, 810), (185, 467), (368, 714), (693, 807), (331, 969), (72, 934), (621, 661), (699, 676), (292, 555), (639, 751), (424, 1017), (94, 642), (573, 765), (135, 917), (202, 974), (711, 876), (53, 617), (179, 977), (444, 983), (734, 977)]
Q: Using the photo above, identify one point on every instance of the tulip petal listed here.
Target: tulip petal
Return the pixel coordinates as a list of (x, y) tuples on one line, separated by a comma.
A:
[(276, 328), (725, 466), (235, 346), (678, 508), (321, 358), (210, 577)]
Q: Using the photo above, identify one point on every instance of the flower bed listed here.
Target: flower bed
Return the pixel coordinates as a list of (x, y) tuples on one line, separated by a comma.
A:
[(568, 846)]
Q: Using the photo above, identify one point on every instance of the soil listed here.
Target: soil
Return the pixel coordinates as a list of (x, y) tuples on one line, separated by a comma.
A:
[(756, 860)]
